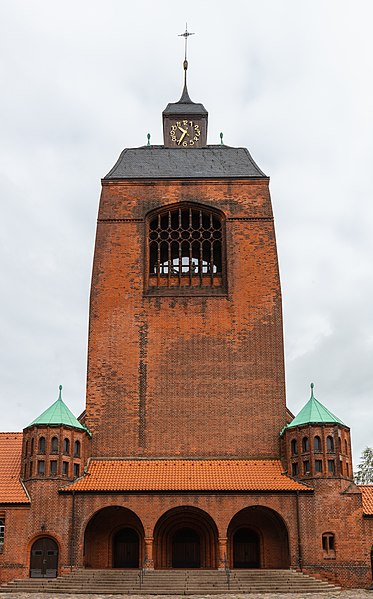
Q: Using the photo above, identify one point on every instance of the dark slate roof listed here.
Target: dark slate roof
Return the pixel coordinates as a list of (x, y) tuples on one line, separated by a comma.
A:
[(184, 108), (210, 162)]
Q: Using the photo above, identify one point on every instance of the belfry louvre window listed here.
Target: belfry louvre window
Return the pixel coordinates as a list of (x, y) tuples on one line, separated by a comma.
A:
[(186, 248)]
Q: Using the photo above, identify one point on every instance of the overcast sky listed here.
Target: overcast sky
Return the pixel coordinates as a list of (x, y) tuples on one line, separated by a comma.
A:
[(290, 80)]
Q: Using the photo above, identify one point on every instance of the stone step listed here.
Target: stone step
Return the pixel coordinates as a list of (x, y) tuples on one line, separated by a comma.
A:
[(172, 582)]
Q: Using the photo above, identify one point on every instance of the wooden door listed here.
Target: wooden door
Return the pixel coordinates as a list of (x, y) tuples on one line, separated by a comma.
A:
[(186, 552), (126, 549), (246, 549), (44, 558)]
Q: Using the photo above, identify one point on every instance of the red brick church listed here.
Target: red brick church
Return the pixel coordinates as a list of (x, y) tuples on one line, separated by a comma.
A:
[(186, 455)]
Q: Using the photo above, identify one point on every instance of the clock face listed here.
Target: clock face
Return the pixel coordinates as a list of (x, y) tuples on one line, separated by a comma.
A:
[(185, 134)]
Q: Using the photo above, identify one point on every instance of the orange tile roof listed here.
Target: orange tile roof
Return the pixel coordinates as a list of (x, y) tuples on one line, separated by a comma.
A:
[(367, 493), (185, 475), (11, 489)]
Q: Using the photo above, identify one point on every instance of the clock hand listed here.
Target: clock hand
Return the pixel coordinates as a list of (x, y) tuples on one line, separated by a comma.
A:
[(182, 137), (183, 130)]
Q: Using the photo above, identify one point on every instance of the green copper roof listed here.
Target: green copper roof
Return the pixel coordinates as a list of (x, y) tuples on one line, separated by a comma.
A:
[(314, 413), (58, 413)]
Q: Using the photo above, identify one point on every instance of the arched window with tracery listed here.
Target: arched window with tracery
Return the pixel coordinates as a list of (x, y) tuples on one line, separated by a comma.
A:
[(185, 248)]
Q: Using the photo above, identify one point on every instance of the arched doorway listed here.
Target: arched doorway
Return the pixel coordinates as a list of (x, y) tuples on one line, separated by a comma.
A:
[(114, 538), (126, 549), (44, 558), (186, 549), (185, 537), (258, 538), (246, 549)]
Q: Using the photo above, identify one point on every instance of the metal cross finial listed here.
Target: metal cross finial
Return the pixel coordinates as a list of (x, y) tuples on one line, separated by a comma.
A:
[(185, 35)]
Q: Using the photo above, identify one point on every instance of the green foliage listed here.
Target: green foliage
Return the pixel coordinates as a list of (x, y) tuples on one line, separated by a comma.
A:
[(364, 474)]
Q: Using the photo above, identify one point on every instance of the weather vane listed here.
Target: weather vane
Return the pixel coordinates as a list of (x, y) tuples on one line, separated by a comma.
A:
[(185, 35)]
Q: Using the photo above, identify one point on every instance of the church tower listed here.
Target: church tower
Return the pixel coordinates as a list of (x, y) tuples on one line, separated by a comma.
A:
[(185, 335), (186, 458)]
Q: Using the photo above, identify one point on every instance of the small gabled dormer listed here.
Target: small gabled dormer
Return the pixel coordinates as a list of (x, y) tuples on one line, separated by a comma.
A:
[(316, 444), (54, 445)]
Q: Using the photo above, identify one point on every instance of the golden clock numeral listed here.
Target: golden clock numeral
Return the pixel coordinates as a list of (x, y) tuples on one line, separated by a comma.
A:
[(185, 123), (196, 127), (173, 138), (191, 123), (185, 143), (191, 143), (178, 124), (173, 127)]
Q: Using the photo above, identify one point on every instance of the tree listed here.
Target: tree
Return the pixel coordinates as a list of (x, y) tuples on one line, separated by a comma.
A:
[(364, 474)]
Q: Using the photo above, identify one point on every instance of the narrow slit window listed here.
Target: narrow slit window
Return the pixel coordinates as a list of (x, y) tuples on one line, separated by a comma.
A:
[(42, 445), (2, 533), (317, 443), (66, 446), (77, 449), (294, 447), (329, 443)]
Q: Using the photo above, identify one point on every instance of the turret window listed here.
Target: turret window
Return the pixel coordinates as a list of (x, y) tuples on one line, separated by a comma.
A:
[(66, 446), (329, 443), (294, 447), (41, 467), (54, 445), (65, 468), (305, 444), (306, 467), (294, 469), (317, 443), (53, 467), (331, 466), (42, 445), (185, 248), (77, 449), (318, 466)]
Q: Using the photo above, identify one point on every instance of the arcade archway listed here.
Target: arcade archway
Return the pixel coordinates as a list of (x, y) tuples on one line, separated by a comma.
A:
[(185, 537), (258, 538), (114, 538)]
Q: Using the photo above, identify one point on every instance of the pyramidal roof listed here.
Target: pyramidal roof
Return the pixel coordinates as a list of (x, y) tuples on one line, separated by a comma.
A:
[(314, 413), (58, 414)]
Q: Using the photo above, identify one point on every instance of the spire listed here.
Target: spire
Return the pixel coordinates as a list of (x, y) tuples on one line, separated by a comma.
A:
[(185, 99), (314, 413), (58, 414)]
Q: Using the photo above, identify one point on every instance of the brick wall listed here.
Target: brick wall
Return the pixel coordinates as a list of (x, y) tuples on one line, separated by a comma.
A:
[(185, 375)]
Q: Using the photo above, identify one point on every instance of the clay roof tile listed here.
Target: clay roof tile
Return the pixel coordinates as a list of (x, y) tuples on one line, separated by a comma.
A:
[(11, 488), (185, 475)]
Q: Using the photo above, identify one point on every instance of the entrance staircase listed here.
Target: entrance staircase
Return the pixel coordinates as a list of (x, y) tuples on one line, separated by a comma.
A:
[(172, 582)]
